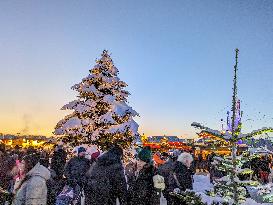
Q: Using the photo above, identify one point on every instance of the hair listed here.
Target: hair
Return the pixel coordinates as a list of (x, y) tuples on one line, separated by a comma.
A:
[(184, 157), (30, 161), (10, 163), (117, 150), (164, 154), (30, 151), (147, 147), (2, 147)]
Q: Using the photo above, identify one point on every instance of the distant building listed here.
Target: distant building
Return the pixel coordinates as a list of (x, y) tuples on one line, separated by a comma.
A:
[(158, 139), (24, 140), (164, 143)]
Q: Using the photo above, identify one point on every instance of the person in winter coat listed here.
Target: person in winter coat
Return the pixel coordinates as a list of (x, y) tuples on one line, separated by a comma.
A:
[(166, 170), (182, 172), (264, 169), (183, 176), (55, 186), (106, 182), (141, 184), (3, 156), (9, 170), (130, 170), (200, 163), (58, 161), (7, 163), (32, 190), (76, 169), (157, 159), (44, 158)]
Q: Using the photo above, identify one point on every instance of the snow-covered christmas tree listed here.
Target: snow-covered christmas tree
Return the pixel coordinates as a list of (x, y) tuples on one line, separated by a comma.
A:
[(100, 114)]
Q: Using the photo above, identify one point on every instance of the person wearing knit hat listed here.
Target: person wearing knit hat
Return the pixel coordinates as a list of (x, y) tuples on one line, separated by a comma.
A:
[(76, 168), (142, 189), (81, 150), (145, 155), (106, 180)]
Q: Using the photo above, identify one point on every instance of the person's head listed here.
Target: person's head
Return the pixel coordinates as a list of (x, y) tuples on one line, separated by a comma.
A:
[(95, 155), (59, 147), (29, 161), (164, 155), (15, 156), (185, 158), (11, 166), (2, 147), (117, 150), (175, 155), (81, 152), (16, 147), (145, 155), (30, 150)]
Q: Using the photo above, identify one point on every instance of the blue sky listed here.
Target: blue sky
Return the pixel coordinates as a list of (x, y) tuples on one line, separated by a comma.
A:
[(176, 56)]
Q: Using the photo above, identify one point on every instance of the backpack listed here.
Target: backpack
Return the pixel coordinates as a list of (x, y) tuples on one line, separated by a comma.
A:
[(68, 196)]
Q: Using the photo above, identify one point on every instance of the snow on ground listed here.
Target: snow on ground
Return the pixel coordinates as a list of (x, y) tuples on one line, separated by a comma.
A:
[(202, 183)]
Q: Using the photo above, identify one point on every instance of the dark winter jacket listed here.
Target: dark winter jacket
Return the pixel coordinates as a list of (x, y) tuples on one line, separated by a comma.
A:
[(184, 176), (254, 165), (6, 179), (166, 170), (6, 166), (58, 162), (54, 187), (76, 169), (263, 165), (107, 181), (3, 170), (141, 189), (130, 170)]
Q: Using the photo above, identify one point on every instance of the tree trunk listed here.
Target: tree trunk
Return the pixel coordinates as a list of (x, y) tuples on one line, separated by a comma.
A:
[(233, 173)]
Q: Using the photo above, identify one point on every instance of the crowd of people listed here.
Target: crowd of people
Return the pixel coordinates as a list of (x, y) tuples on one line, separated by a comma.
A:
[(35, 177), (260, 164)]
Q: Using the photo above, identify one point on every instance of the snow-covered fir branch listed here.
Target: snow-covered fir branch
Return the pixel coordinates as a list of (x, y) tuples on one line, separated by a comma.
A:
[(100, 114)]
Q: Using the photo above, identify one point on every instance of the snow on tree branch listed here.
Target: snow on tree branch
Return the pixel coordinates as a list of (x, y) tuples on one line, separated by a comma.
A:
[(100, 114)]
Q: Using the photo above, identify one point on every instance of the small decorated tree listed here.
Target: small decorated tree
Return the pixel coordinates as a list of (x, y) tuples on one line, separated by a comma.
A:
[(223, 186), (100, 114), (230, 186)]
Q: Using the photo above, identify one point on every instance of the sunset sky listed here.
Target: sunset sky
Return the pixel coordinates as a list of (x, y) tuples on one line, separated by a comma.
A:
[(176, 56)]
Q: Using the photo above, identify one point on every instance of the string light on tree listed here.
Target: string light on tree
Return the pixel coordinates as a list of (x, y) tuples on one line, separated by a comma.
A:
[(100, 114), (230, 187)]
